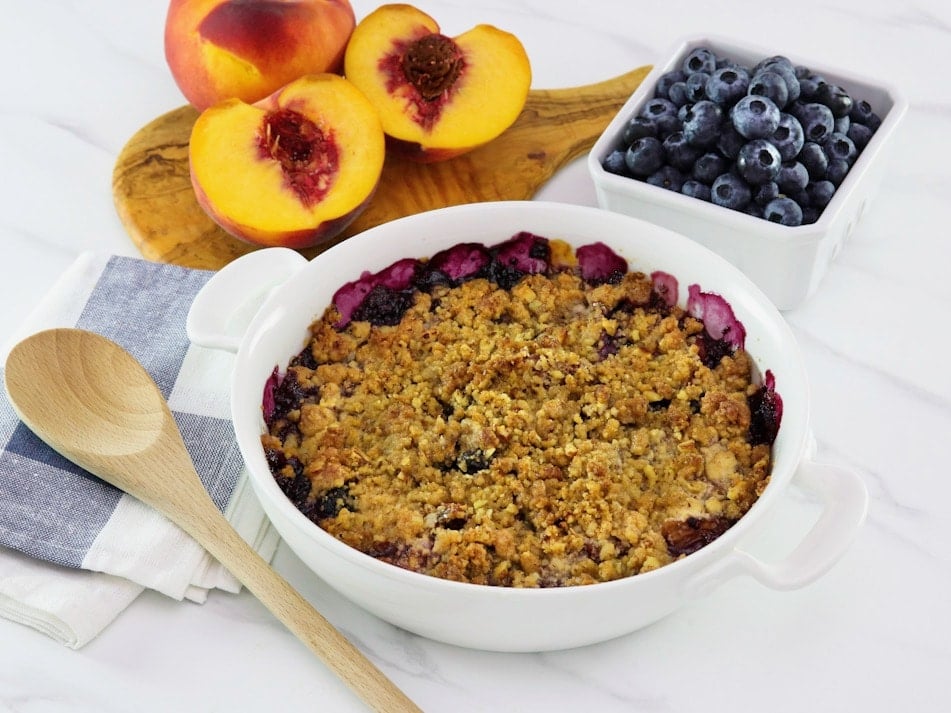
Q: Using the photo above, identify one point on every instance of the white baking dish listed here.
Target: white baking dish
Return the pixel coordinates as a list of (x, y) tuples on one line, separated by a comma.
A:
[(294, 291)]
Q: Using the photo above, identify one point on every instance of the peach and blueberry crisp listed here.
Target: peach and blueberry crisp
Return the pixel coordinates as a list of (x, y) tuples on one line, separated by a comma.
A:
[(522, 415)]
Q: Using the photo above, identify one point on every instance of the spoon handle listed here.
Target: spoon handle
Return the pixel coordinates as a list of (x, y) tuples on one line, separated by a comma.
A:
[(187, 503), (296, 613)]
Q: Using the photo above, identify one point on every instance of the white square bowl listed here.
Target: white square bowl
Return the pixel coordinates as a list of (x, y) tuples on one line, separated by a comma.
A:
[(786, 262)]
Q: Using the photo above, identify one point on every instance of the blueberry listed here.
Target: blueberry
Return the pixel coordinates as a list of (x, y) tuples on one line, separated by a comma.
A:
[(330, 502), (814, 158), (384, 306), (795, 108), (667, 177), (840, 146), (471, 462), (784, 68), (755, 117), (754, 209), (697, 86), (450, 519), (668, 124), (860, 135), (777, 60), (730, 140), (793, 177), (664, 114), (289, 393), (614, 163), (784, 211), (696, 189), (730, 191), (861, 112), (810, 214), (801, 71), (727, 84), (758, 162), (772, 85), (276, 460), (702, 123), (678, 93), (836, 98), (837, 170), (766, 192), (799, 195), (842, 124), (701, 59), (809, 87), (666, 80), (680, 154), (788, 137), (708, 167), (644, 156), (523, 254), (657, 107), (817, 122), (820, 193), (526, 251), (637, 127)]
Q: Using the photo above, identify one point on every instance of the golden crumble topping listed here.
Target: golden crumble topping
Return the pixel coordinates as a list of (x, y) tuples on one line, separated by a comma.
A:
[(549, 433)]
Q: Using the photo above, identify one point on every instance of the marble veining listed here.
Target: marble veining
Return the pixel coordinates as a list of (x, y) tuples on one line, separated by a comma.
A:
[(871, 635)]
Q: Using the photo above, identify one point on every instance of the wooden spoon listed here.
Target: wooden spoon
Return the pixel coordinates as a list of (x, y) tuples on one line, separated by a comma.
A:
[(91, 401)]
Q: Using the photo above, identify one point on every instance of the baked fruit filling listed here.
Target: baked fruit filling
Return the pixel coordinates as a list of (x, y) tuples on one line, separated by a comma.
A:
[(522, 415)]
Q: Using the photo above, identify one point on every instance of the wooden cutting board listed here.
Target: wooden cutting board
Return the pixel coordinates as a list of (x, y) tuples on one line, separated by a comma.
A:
[(156, 204)]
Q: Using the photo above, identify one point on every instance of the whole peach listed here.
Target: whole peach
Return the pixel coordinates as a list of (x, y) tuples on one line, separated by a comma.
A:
[(247, 49)]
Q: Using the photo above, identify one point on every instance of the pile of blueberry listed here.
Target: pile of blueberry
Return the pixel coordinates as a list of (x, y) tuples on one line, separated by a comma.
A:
[(774, 140)]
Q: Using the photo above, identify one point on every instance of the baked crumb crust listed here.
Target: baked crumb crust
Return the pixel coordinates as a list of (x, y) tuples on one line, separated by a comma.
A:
[(550, 434)]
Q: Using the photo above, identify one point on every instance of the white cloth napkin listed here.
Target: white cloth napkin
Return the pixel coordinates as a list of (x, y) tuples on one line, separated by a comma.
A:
[(74, 551)]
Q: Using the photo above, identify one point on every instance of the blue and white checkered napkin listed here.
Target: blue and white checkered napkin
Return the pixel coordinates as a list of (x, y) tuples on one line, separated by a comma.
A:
[(74, 551)]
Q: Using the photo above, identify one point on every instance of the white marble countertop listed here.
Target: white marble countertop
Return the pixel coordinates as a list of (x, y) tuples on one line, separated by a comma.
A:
[(872, 635)]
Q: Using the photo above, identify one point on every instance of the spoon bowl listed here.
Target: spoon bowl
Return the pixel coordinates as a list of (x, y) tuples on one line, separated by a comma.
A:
[(83, 381), (92, 402)]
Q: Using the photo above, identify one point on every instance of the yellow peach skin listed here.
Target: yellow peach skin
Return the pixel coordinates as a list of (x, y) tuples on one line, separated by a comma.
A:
[(247, 49), (293, 169), (438, 97)]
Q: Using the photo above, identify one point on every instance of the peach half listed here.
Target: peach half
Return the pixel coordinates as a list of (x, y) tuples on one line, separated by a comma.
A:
[(437, 96), (219, 49), (294, 169)]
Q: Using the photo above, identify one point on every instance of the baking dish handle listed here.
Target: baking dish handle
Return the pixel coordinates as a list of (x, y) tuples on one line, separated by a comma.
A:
[(222, 310), (844, 501)]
